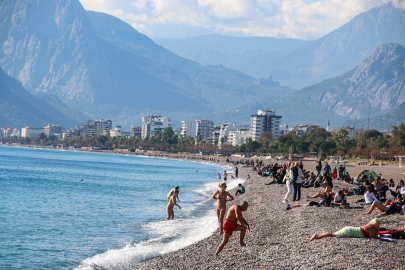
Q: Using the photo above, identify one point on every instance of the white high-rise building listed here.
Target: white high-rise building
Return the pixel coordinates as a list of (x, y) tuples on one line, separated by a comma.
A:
[(205, 128), (30, 132), (90, 128), (116, 132), (239, 134), (265, 121), (154, 125)]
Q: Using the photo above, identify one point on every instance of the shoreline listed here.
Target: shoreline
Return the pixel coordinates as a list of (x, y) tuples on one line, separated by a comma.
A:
[(280, 238)]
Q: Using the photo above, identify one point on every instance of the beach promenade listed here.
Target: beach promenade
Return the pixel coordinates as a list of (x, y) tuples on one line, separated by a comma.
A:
[(279, 239)]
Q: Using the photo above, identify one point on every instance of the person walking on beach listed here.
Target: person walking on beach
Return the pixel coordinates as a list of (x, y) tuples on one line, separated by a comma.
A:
[(327, 169), (236, 172), (221, 196), (225, 175), (288, 177), (172, 192), (234, 215), (170, 206)]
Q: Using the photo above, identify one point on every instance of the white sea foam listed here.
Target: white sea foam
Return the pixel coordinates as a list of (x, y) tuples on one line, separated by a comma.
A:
[(166, 236)]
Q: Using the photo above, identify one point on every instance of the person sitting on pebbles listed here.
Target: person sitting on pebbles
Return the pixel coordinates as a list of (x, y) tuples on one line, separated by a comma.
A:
[(368, 231), (340, 200), (390, 207), (326, 195), (230, 225)]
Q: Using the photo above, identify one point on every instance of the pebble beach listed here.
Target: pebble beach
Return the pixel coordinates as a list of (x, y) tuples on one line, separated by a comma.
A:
[(279, 238)]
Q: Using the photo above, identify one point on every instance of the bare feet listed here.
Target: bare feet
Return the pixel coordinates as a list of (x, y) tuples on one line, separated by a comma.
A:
[(307, 196), (167, 218), (242, 244), (366, 213), (313, 237)]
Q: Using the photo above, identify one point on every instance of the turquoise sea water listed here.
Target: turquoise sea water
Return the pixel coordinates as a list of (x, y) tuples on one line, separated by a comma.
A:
[(114, 218)]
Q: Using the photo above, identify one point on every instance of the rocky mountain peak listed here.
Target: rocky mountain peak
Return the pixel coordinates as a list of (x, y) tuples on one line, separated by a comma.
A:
[(51, 46)]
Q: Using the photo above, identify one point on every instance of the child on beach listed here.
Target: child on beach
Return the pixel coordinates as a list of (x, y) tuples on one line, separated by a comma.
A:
[(241, 190), (170, 206)]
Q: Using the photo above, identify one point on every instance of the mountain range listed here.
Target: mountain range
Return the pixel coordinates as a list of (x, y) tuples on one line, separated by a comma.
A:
[(18, 108), (296, 63), (87, 62)]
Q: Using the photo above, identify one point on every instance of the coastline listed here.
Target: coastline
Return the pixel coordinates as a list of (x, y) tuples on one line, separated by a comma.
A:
[(279, 238)]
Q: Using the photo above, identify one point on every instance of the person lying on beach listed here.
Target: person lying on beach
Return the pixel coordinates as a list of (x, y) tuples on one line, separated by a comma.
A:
[(170, 206), (368, 231), (389, 207), (234, 215), (340, 199), (172, 192), (221, 196)]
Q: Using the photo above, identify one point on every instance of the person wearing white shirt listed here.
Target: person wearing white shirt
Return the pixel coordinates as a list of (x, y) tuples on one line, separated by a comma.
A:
[(369, 196)]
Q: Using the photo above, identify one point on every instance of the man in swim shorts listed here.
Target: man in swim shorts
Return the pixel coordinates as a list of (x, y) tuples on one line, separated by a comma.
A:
[(225, 175), (230, 225)]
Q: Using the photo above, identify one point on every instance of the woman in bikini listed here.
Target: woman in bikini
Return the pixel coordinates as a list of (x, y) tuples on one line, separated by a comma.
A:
[(221, 196), (170, 206), (369, 231)]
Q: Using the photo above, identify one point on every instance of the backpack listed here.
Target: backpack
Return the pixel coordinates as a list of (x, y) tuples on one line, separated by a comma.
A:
[(360, 190)]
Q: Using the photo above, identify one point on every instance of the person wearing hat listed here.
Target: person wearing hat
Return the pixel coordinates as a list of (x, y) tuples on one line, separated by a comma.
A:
[(172, 192), (323, 194)]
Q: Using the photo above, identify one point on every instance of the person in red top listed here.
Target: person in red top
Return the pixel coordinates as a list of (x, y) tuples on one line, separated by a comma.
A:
[(230, 225)]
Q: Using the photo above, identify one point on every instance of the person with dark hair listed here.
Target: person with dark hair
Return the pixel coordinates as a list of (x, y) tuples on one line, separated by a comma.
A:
[(400, 189), (231, 224), (390, 207), (326, 195), (369, 196), (241, 190), (340, 200), (318, 168)]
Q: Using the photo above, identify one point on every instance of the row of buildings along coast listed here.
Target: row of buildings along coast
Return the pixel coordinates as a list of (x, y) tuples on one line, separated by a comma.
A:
[(153, 125)]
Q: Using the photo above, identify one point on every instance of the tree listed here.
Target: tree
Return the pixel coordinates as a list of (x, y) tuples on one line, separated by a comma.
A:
[(252, 146), (371, 134), (249, 139), (168, 136), (265, 136), (341, 137), (198, 138), (222, 140), (318, 134), (216, 141)]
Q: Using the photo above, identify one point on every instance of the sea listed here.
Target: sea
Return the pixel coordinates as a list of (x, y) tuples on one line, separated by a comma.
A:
[(80, 210)]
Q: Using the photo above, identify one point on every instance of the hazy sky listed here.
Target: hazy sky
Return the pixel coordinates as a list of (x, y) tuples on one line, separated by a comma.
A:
[(303, 19)]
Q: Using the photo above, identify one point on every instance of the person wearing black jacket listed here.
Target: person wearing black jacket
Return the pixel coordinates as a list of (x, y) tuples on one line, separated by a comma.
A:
[(318, 168)]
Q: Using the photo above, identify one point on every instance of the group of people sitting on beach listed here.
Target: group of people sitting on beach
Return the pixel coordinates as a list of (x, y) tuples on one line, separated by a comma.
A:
[(295, 177)]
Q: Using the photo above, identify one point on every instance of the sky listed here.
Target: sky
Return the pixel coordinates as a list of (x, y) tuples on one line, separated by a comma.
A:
[(301, 19)]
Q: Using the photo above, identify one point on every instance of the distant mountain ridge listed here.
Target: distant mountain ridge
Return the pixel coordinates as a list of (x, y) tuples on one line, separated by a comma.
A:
[(377, 83), (18, 108), (310, 62)]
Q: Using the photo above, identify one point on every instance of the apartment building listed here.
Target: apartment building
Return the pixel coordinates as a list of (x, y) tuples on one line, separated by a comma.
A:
[(265, 121), (192, 129), (153, 125)]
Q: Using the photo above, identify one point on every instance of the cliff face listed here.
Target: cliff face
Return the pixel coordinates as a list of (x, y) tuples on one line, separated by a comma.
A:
[(51, 46), (377, 83)]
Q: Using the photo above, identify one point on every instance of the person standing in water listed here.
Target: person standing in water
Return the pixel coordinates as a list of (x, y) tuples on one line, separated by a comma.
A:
[(170, 206), (221, 196), (172, 192), (225, 175), (234, 215)]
